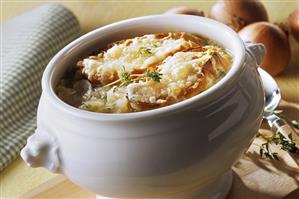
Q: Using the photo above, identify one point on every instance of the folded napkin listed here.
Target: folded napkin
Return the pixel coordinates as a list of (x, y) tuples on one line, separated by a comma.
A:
[(28, 42)]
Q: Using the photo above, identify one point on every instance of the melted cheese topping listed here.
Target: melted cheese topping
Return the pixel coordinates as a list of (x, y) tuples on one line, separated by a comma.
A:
[(186, 65), (135, 54)]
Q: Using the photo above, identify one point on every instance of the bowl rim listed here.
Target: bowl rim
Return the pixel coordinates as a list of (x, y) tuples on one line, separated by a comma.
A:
[(201, 98)]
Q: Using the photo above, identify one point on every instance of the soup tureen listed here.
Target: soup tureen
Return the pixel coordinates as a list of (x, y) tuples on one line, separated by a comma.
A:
[(185, 150)]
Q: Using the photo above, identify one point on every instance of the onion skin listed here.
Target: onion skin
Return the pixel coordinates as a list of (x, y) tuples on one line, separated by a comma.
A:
[(294, 23), (277, 45), (185, 10), (238, 13)]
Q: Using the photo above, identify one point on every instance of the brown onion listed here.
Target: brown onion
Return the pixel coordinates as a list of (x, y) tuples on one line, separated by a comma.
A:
[(294, 23), (238, 13), (277, 45), (185, 10)]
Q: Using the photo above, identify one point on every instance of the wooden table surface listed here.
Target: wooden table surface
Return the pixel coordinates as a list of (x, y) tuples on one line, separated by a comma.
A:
[(18, 179)]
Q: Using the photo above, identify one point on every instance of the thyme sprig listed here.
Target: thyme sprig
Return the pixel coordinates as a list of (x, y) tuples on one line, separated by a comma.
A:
[(126, 78), (286, 144), (278, 139)]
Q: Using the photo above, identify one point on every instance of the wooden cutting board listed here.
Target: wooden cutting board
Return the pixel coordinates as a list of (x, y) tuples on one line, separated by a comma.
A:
[(254, 177)]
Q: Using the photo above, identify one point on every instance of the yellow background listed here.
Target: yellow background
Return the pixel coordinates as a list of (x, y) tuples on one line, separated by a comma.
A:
[(18, 178)]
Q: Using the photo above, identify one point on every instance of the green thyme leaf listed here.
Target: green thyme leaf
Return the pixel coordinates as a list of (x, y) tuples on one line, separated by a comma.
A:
[(144, 50), (126, 78), (154, 75)]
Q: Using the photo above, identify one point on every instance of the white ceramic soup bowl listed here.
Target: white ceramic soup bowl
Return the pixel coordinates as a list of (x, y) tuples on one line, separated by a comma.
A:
[(185, 150)]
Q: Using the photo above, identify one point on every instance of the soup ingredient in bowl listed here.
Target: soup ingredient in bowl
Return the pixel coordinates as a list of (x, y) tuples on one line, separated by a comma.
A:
[(145, 73), (238, 13), (278, 51)]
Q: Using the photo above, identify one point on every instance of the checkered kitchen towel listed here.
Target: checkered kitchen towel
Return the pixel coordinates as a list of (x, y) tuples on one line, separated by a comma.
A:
[(28, 42)]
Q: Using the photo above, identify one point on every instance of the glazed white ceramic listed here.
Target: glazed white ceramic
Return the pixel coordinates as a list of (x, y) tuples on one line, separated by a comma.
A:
[(185, 150)]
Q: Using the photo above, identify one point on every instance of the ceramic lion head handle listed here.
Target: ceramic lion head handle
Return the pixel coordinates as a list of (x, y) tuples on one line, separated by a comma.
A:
[(41, 150), (257, 51)]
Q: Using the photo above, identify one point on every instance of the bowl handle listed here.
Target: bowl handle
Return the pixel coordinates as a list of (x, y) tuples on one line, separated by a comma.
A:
[(258, 51), (41, 150)]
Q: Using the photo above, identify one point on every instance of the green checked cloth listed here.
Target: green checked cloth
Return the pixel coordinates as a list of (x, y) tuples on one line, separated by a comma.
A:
[(28, 43)]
